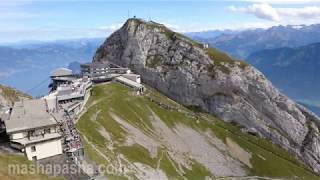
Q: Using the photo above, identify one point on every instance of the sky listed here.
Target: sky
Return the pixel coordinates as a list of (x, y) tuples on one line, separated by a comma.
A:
[(25, 20)]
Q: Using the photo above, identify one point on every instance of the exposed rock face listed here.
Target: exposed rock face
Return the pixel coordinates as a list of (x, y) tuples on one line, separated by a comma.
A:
[(9, 95), (233, 91)]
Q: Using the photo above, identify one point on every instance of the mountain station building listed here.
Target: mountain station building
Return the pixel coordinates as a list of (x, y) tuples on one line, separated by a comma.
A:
[(33, 130)]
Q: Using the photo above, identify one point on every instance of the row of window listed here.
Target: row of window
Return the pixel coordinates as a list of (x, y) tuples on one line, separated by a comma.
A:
[(34, 133)]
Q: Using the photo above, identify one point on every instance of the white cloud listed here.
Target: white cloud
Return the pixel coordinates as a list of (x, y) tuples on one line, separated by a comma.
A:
[(306, 12), (266, 11), (112, 27), (173, 27), (6, 73), (263, 11)]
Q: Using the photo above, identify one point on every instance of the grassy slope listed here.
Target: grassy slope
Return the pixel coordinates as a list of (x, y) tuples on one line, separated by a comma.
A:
[(6, 160), (267, 159)]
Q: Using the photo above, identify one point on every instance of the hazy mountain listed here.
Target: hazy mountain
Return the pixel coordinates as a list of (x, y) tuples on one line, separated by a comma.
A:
[(207, 80), (75, 67), (68, 43), (293, 70), (27, 66), (242, 44), (204, 35)]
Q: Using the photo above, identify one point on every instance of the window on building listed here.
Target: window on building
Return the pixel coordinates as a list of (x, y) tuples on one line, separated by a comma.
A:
[(33, 148), (47, 131), (31, 133)]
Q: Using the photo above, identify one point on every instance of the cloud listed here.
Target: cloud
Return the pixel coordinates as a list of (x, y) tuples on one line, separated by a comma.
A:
[(306, 12), (263, 11), (6, 73), (112, 27), (173, 27), (266, 11)]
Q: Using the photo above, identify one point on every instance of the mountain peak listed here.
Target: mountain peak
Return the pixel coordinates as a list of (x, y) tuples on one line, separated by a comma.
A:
[(207, 79), (160, 28), (141, 30)]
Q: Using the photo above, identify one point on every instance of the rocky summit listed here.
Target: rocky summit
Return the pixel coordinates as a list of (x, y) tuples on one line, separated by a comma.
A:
[(208, 80)]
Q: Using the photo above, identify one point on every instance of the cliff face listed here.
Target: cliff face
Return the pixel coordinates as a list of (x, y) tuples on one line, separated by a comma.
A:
[(209, 80)]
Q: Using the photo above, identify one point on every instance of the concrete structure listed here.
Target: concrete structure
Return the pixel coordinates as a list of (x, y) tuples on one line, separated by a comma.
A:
[(61, 72), (94, 69), (97, 72), (205, 46), (100, 72), (33, 130), (67, 100), (133, 77), (69, 93), (130, 83), (61, 76)]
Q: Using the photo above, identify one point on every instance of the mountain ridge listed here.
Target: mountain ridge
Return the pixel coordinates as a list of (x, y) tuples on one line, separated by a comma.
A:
[(242, 44), (10, 95), (301, 64), (232, 91)]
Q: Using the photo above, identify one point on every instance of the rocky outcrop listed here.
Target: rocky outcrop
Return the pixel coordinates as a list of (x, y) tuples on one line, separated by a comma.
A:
[(9, 95), (209, 80)]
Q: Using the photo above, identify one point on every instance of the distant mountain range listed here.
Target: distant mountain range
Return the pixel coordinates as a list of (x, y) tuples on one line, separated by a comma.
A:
[(294, 70), (204, 35), (28, 66), (243, 43), (287, 55)]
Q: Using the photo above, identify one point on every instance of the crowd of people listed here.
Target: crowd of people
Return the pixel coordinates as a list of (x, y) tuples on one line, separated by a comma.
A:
[(72, 141)]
